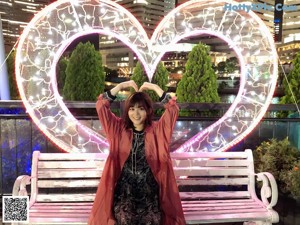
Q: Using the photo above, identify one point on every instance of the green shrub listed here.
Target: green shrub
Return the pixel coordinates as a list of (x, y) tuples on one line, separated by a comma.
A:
[(292, 179), (281, 159)]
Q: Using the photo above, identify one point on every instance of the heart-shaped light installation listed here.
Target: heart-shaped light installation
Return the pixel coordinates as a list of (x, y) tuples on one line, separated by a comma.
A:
[(56, 26)]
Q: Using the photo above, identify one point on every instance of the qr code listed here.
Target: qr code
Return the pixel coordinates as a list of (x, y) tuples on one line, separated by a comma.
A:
[(15, 209)]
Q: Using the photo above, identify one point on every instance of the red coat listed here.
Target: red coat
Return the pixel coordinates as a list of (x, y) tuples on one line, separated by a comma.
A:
[(157, 140)]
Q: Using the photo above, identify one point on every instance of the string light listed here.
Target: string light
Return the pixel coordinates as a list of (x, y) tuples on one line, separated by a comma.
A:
[(50, 32)]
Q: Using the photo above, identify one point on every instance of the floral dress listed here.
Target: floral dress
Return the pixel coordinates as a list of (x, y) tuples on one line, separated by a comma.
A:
[(136, 197)]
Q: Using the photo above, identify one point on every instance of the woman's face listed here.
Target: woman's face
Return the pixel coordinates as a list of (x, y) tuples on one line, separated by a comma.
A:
[(137, 114)]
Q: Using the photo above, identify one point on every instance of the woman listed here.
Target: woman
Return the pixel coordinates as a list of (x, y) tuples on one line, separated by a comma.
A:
[(138, 185)]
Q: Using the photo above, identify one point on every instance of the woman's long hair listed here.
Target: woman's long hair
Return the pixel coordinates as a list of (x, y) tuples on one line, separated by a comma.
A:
[(141, 99)]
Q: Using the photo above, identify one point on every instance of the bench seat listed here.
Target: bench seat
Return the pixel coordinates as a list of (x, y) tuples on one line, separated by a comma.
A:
[(196, 212)]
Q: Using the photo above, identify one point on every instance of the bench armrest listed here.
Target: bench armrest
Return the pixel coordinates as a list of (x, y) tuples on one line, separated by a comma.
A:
[(268, 189), (19, 188)]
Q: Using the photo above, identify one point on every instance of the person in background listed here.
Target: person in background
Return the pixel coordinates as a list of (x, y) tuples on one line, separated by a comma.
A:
[(138, 185)]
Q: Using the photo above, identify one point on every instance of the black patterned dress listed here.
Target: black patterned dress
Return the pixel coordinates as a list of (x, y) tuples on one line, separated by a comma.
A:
[(136, 198)]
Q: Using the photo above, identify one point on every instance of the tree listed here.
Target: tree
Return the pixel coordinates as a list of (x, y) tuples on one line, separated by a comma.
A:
[(292, 84), (228, 66), (232, 64), (138, 75), (13, 88), (199, 82), (84, 74), (161, 79), (61, 73), (221, 67)]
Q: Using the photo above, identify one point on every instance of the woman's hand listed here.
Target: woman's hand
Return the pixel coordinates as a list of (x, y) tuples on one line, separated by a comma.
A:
[(153, 87), (122, 86)]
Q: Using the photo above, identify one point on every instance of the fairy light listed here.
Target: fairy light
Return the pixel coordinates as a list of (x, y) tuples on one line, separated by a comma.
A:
[(50, 32)]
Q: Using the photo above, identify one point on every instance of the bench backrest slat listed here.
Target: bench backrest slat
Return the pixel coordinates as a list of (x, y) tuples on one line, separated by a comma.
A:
[(86, 197), (211, 171), (215, 195), (210, 155), (70, 173), (213, 181), (211, 162), (72, 156), (68, 183), (71, 164)]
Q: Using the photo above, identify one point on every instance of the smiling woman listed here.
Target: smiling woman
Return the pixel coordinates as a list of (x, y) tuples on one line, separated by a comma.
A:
[(138, 184)]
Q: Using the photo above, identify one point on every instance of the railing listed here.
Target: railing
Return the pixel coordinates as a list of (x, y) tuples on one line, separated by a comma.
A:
[(19, 137)]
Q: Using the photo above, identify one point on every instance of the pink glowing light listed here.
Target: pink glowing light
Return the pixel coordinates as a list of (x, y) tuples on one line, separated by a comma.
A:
[(56, 26)]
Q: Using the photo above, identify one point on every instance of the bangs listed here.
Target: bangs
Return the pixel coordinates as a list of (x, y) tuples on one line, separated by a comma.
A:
[(138, 99)]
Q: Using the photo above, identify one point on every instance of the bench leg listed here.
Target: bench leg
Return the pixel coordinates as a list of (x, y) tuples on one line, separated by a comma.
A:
[(250, 223), (257, 223)]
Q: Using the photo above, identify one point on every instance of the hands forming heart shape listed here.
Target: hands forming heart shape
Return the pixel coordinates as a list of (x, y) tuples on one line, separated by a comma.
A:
[(50, 32), (145, 86)]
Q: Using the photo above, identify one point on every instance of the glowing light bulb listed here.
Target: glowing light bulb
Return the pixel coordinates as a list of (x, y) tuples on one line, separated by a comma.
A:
[(217, 140), (87, 27), (102, 10), (37, 61), (262, 97), (236, 38)]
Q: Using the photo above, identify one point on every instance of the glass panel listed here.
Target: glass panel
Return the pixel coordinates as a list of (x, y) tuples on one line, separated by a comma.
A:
[(8, 146), (184, 130), (39, 141), (294, 134), (252, 140), (24, 155), (87, 123), (280, 130), (266, 130)]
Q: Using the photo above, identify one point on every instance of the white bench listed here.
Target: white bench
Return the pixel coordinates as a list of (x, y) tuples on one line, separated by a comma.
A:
[(214, 188)]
